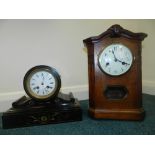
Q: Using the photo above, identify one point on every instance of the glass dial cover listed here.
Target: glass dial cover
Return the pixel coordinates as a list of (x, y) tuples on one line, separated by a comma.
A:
[(115, 59)]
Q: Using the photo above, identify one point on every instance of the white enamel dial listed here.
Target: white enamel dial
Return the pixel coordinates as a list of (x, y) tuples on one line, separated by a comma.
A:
[(115, 59), (42, 82)]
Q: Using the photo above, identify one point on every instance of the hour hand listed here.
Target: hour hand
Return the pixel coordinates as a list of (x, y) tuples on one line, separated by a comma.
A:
[(123, 63)]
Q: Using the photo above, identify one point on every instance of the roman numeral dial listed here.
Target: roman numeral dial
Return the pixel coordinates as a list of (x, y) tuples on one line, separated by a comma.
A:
[(42, 82)]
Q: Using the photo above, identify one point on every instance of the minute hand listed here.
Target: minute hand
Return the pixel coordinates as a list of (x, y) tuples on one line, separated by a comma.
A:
[(115, 59)]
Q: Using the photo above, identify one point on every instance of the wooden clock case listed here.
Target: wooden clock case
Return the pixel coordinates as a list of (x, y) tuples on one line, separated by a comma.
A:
[(115, 97)]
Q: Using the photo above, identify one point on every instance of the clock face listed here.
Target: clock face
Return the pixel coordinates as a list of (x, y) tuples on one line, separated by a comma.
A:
[(42, 82), (115, 59)]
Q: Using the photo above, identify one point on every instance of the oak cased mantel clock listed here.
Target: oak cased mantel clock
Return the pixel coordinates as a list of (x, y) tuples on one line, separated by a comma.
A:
[(115, 74)]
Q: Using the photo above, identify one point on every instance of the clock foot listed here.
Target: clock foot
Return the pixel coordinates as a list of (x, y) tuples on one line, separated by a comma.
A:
[(120, 114)]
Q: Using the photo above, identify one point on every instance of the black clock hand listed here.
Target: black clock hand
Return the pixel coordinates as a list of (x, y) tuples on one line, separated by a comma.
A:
[(115, 59), (123, 63)]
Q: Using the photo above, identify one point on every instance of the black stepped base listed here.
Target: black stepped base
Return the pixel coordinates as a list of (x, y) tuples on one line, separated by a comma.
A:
[(57, 111)]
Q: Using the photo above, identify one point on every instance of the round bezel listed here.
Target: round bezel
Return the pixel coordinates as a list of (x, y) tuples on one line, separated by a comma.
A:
[(48, 71)]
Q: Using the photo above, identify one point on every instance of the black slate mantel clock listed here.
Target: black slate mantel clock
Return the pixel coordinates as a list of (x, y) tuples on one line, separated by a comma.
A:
[(45, 104), (115, 74)]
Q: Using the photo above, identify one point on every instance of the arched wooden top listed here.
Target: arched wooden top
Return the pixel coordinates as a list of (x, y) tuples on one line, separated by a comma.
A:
[(116, 31)]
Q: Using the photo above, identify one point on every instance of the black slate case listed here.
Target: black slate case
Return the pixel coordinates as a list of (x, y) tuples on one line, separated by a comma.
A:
[(27, 112)]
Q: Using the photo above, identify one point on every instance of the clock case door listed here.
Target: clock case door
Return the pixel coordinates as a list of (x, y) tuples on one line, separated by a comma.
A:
[(115, 97)]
